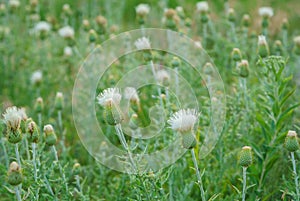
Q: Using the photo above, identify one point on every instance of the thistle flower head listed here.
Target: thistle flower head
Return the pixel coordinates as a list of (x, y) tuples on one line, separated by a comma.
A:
[(36, 77), (183, 120), (198, 44), (22, 114), (131, 94), (14, 3), (142, 43), (66, 32), (109, 96), (142, 9), (48, 128), (297, 40), (202, 6), (163, 77), (266, 12), (68, 51), (262, 40), (42, 26), (12, 118)]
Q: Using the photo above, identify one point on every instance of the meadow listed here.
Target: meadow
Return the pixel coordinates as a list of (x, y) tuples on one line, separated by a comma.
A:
[(150, 100)]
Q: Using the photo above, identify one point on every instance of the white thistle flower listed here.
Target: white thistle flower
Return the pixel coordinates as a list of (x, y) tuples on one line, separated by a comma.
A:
[(130, 93), (262, 40), (162, 76), (68, 51), (108, 96), (48, 128), (142, 9), (14, 3), (142, 43), (36, 77), (22, 114), (202, 6), (42, 26), (12, 118), (198, 44), (292, 133), (297, 40), (179, 9), (183, 120), (265, 12), (66, 32)]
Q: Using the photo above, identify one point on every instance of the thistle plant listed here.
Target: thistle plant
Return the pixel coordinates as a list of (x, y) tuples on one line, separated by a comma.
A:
[(245, 160), (292, 145), (184, 122)]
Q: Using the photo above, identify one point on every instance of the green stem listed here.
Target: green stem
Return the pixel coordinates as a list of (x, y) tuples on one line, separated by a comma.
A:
[(295, 176), (60, 168), (5, 153), (33, 146), (18, 194), (198, 175), (17, 154), (244, 183), (125, 145)]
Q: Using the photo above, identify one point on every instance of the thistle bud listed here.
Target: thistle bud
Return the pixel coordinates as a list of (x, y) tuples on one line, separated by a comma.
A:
[(32, 131), (50, 136), (101, 22), (285, 24), (245, 157), (243, 68), (297, 45), (163, 77), (291, 141), (231, 15), (208, 68), (39, 105), (263, 48), (67, 9), (278, 47), (176, 62), (188, 22), (59, 101), (92, 36), (112, 114), (246, 20), (14, 175), (134, 122), (12, 119), (86, 25), (76, 168), (189, 140), (236, 54)]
